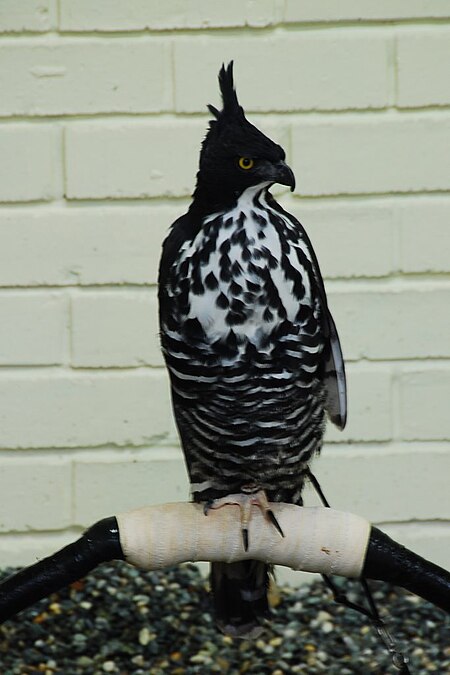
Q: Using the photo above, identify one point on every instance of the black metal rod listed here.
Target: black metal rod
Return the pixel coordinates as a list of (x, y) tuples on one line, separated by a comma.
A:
[(387, 560), (100, 543)]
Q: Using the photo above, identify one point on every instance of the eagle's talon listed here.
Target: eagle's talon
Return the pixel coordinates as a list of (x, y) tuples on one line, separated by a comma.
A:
[(207, 506), (271, 516)]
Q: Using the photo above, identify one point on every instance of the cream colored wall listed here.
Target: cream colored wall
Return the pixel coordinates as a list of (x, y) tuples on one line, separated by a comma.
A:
[(102, 111)]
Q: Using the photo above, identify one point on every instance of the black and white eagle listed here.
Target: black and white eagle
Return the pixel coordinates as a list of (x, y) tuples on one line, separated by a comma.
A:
[(250, 345)]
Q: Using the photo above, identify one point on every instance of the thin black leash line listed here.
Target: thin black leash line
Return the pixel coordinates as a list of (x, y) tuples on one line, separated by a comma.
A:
[(399, 661)]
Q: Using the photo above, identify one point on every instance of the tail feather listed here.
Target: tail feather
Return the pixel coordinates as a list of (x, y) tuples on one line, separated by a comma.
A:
[(240, 596)]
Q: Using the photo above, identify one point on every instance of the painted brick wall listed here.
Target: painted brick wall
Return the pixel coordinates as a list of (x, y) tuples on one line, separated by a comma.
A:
[(102, 111)]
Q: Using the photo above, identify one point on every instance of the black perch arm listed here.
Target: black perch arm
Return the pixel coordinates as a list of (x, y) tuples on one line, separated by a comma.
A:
[(387, 560), (99, 544), (384, 560)]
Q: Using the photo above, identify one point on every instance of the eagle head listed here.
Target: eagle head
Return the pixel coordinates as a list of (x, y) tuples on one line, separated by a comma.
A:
[(235, 155)]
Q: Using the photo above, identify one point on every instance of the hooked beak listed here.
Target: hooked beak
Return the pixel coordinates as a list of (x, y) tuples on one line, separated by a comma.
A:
[(284, 175), (275, 172)]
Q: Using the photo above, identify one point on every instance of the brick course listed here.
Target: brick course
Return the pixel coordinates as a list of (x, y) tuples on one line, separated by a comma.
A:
[(50, 78)]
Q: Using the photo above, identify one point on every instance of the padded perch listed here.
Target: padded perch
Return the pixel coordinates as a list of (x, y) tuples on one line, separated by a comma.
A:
[(316, 540)]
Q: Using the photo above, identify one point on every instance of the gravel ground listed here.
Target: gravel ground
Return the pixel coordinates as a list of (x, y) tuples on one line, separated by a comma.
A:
[(121, 620)]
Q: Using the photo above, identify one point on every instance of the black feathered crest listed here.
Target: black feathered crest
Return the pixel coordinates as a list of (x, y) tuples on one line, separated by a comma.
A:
[(231, 135), (231, 107), (230, 128)]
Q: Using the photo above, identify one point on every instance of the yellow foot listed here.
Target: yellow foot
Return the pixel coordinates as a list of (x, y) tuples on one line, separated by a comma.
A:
[(249, 496)]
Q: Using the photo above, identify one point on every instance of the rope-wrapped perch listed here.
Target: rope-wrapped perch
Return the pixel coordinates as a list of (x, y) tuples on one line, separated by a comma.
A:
[(316, 540)]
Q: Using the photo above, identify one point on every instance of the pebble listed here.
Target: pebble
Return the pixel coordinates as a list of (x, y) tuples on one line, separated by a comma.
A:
[(144, 636), (79, 637), (84, 661), (290, 633), (323, 616), (276, 642), (124, 621)]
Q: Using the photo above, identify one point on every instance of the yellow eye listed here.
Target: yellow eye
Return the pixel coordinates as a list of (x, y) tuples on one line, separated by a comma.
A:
[(246, 162)]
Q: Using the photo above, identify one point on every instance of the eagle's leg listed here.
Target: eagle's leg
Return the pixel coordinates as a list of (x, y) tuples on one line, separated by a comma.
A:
[(250, 495)]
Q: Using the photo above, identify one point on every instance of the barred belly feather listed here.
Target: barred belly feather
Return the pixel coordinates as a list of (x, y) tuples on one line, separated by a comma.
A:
[(244, 346)]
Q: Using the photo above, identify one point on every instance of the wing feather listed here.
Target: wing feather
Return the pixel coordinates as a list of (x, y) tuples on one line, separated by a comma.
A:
[(334, 368)]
